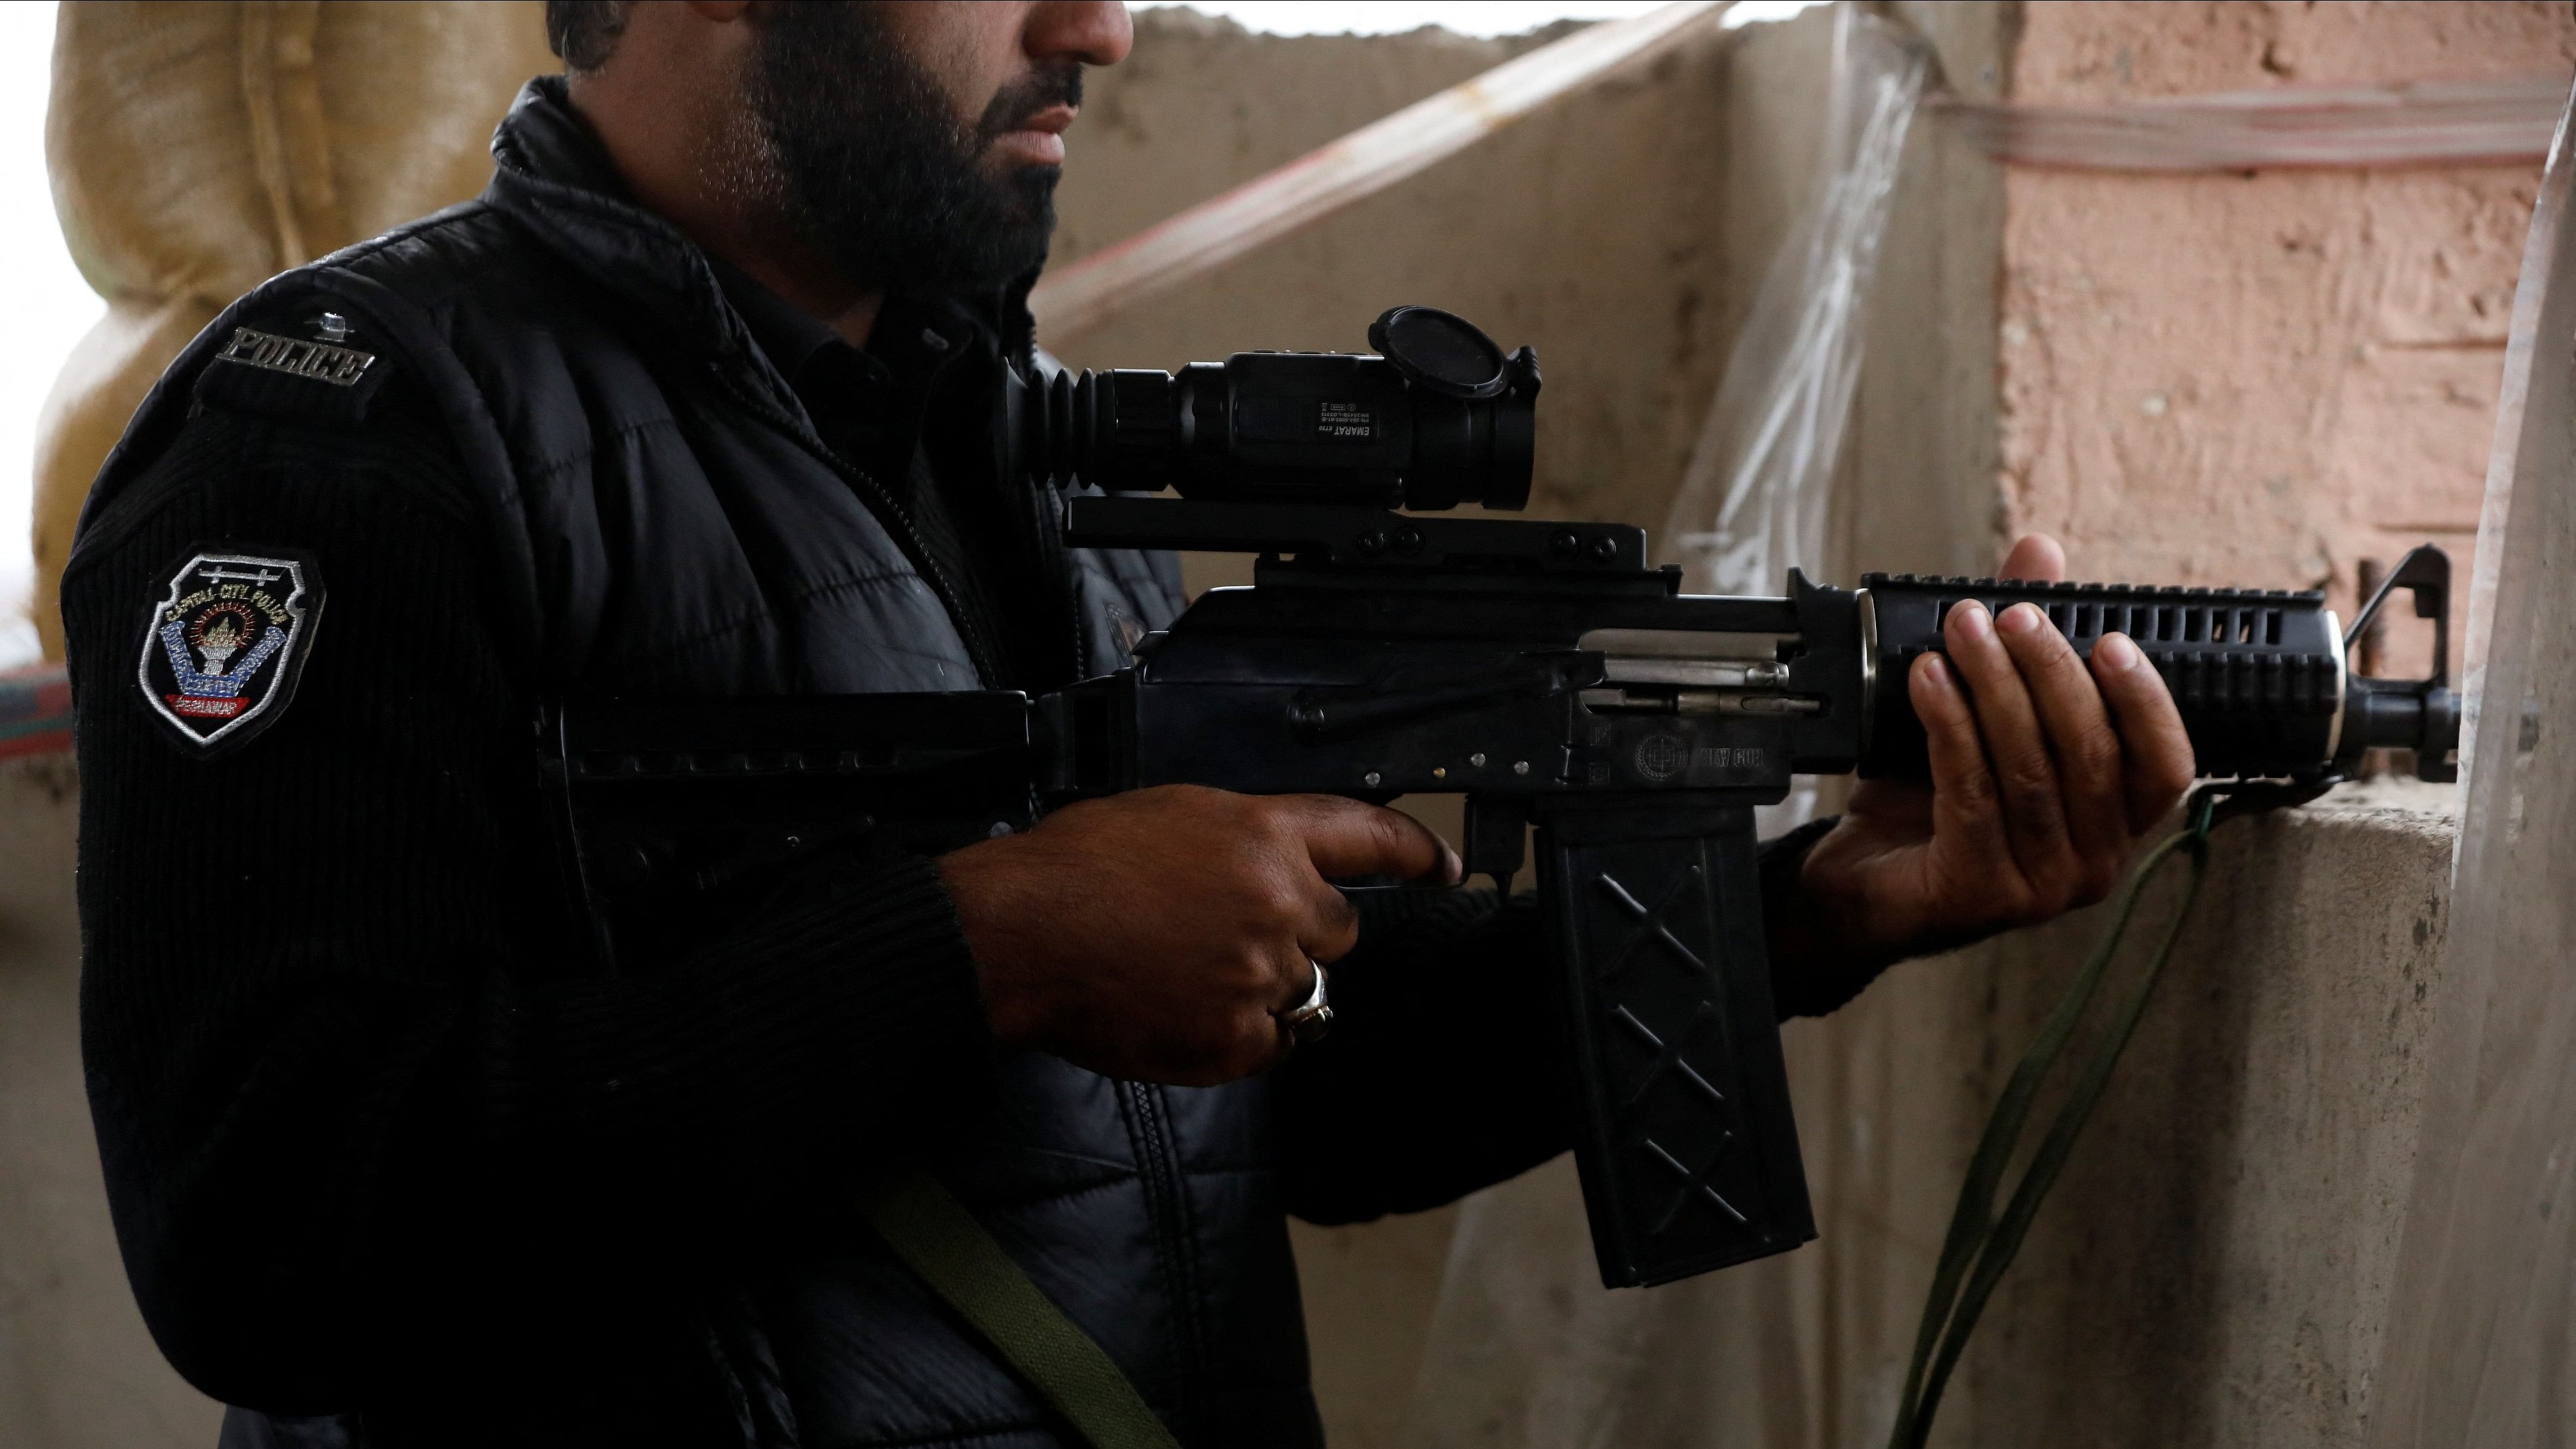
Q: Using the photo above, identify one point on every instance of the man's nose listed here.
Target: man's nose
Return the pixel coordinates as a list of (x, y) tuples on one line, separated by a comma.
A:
[(1095, 32)]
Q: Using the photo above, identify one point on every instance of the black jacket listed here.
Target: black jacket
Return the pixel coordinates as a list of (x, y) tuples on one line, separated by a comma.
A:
[(383, 1148)]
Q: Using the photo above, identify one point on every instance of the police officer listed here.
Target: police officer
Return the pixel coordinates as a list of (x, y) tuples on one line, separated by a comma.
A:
[(698, 399)]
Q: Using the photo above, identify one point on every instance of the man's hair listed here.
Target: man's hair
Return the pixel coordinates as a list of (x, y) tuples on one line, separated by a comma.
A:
[(584, 32)]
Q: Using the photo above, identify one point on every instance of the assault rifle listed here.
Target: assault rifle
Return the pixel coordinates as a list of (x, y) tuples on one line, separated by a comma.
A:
[(1541, 669)]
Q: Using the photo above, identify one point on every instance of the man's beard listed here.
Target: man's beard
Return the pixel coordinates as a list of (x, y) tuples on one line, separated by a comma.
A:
[(875, 166)]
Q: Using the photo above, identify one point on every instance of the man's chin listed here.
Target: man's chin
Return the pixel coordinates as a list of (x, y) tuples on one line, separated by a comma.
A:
[(1031, 208), (1022, 176)]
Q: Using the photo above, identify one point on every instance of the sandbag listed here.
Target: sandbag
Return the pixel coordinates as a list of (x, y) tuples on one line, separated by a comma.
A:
[(197, 149)]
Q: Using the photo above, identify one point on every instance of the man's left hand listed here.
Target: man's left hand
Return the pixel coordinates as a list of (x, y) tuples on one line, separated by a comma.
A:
[(2046, 770)]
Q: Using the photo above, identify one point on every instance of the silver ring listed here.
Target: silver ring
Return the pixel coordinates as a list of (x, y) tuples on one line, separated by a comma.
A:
[(1309, 1022)]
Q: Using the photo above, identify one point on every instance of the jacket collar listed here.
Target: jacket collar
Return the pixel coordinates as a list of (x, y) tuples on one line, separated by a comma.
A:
[(553, 176)]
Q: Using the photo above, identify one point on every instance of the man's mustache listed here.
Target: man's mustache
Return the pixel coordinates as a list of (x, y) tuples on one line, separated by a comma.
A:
[(1052, 83)]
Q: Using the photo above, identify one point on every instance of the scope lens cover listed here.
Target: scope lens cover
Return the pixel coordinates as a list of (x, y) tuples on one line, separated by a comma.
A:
[(1440, 351)]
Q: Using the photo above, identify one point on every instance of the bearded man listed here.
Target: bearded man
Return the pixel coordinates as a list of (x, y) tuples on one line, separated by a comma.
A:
[(701, 398)]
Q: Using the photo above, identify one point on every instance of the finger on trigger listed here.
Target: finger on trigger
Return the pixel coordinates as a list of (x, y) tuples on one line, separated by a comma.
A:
[(1349, 837), (2155, 749)]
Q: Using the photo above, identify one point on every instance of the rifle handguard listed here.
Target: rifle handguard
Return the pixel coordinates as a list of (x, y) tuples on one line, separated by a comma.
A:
[(2262, 678)]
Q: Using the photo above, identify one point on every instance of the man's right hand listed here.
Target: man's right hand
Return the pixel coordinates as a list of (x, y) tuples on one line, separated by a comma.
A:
[(1156, 935)]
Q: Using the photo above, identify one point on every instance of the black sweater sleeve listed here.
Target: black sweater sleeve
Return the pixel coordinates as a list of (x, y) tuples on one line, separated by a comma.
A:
[(1443, 1072), (342, 1055)]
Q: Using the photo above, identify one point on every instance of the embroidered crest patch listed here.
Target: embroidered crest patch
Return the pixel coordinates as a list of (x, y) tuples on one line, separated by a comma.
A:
[(223, 647)]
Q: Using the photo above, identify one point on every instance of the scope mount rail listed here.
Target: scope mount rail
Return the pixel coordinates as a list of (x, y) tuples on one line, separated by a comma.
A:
[(1358, 536)]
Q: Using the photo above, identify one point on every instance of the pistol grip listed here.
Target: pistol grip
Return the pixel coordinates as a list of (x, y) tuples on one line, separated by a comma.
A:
[(1687, 1149)]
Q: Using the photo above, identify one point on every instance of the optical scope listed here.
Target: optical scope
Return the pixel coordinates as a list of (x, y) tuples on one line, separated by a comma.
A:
[(1439, 417)]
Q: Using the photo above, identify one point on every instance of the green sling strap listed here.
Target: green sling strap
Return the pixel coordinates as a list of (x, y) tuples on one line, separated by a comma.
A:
[(1981, 1244), (939, 1240)]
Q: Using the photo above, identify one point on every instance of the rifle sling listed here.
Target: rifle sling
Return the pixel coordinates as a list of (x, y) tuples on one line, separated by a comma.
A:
[(961, 1261), (1981, 1244)]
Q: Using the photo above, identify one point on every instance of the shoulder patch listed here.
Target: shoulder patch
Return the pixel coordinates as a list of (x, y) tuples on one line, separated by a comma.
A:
[(320, 378), (223, 647)]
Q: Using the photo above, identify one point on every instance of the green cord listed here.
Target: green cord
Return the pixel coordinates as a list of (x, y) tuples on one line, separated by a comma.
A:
[(960, 1260), (1979, 1246)]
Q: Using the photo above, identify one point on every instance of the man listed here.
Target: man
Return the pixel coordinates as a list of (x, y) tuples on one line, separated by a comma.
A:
[(699, 399)]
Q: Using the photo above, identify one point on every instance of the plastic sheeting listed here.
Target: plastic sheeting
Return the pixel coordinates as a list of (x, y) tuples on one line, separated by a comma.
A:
[(1756, 495), (1754, 499), (2481, 1347)]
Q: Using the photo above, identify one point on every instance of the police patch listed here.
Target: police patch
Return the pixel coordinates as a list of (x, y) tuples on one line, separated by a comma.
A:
[(295, 378), (223, 648)]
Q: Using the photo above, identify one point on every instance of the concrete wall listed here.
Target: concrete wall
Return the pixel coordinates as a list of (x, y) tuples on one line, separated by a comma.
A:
[(1916, 491), (1613, 259)]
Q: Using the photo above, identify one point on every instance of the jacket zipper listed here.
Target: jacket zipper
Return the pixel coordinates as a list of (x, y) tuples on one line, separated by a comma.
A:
[(1055, 560), (1167, 1209), (898, 521)]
